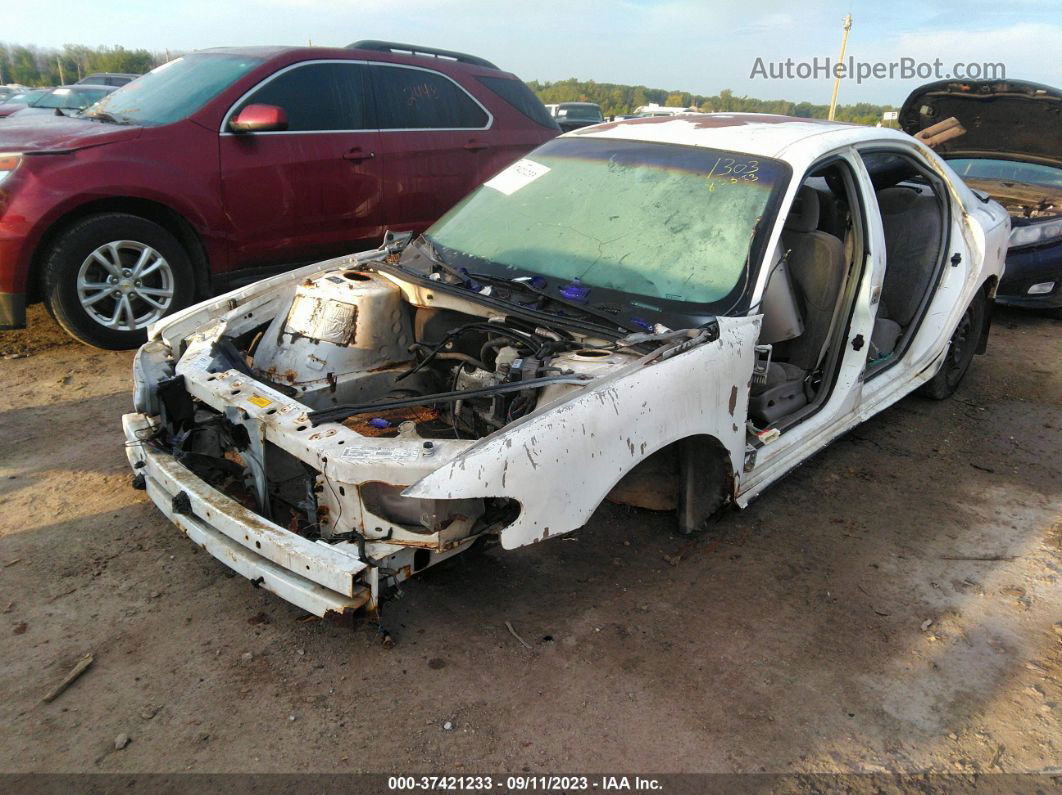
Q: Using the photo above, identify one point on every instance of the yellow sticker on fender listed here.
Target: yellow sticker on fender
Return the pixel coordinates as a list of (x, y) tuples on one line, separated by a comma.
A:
[(259, 401)]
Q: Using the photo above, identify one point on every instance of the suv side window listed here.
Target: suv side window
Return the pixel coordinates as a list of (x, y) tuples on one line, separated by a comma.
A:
[(319, 96), (417, 99)]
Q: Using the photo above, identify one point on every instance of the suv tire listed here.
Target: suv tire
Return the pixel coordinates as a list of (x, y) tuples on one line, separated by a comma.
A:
[(109, 276)]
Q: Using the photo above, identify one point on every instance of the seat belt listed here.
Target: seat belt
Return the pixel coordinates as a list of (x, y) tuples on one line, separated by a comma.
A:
[(849, 251)]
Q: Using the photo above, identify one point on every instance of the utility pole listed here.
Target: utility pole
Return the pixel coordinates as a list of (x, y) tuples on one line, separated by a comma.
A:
[(840, 59), (59, 63)]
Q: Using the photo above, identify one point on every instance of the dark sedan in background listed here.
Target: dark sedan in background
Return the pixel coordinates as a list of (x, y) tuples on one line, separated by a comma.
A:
[(1011, 150), (64, 100), (575, 115), (107, 79)]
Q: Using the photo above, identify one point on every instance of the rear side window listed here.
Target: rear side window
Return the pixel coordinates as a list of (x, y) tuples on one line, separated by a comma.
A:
[(517, 94), (416, 99), (319, 97)]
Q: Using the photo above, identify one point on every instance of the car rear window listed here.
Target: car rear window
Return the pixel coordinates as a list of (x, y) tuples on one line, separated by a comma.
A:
[(417, 99), (517, 94)]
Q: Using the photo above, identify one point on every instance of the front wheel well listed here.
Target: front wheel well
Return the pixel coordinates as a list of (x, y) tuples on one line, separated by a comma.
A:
[(693, 476), (169, 219)]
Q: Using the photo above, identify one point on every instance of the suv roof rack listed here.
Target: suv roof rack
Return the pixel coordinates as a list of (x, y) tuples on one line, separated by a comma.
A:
[(414, 49)]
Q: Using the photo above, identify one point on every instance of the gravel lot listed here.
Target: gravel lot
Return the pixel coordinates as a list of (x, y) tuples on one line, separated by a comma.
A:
[(893, 605)]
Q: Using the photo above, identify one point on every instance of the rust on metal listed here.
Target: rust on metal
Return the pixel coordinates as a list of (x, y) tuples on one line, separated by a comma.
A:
[(359, 423), (707, 121)]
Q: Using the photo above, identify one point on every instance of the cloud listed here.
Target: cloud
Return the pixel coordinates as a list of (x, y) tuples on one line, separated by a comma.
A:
[(687, 45), (1020, 47)]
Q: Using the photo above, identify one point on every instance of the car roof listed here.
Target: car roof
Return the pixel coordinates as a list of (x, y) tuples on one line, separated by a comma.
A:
[(372, 51), (80, 86), (260, 51), (763, 134)]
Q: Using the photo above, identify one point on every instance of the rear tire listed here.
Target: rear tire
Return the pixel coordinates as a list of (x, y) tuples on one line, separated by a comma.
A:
[(961, 350), (109, 276)]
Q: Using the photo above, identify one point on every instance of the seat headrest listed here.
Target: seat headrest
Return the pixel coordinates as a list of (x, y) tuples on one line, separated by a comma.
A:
[(804, 214), (896, 200)]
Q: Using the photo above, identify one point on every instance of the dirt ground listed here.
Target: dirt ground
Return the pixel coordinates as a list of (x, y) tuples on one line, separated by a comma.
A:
[(893, 605)]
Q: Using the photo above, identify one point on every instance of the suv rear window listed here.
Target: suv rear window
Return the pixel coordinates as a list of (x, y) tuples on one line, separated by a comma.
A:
[(517, 94), (416, 99)]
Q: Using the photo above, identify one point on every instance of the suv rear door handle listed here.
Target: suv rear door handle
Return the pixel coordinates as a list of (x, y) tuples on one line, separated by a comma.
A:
[(356, 155), (475, 146)]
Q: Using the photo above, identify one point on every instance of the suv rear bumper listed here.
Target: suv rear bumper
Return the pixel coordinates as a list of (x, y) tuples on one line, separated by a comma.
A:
[(319, 578)]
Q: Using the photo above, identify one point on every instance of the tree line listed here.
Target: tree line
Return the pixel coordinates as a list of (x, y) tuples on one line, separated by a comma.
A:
[(44, 66), (616, 98)]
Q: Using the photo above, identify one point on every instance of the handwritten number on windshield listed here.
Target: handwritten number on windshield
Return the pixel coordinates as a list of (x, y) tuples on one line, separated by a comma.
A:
[(731, 171)]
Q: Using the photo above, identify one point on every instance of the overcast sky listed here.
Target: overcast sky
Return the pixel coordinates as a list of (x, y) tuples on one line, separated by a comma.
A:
[(701, 47)]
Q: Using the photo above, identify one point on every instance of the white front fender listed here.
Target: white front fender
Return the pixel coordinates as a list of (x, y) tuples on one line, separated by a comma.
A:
[(561, 463)]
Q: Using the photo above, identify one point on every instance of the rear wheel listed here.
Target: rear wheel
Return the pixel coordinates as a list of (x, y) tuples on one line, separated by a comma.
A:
[(108, 277), (961, 350)]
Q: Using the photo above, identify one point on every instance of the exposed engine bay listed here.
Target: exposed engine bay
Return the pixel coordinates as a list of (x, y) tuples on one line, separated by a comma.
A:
[(1022, 201), (320, 409), (351, 349)]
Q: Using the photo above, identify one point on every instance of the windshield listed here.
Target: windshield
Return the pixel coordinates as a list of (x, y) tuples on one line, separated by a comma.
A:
[(174, 90), (659, 221), (580, 112), (69, 98), (26, 97), (1007, 171)]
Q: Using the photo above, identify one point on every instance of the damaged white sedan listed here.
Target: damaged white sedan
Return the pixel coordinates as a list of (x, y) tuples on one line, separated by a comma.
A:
[(670, 312)]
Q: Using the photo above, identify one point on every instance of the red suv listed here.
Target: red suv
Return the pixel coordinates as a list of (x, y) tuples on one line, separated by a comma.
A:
[(225, 164)]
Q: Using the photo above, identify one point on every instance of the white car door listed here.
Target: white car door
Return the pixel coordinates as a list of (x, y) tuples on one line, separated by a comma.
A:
[(784, 445)]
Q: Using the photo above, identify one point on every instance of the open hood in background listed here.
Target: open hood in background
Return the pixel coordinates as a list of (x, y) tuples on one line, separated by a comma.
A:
[(1007, 119)]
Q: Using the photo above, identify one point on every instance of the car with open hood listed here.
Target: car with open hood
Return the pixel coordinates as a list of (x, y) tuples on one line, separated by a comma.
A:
[(667, 312), (1009, 147)]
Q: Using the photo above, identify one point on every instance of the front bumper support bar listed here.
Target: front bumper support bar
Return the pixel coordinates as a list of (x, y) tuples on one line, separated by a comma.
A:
[(318, 577)]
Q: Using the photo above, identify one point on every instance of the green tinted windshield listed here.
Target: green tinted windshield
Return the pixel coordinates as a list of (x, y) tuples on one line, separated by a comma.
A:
[(73, 98), (654, 220), (176, 89), (27, 97), (1007, 171)]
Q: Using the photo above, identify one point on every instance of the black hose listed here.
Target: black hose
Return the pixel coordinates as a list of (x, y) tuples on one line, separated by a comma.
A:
[(340, 413), (450, 335)]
